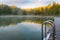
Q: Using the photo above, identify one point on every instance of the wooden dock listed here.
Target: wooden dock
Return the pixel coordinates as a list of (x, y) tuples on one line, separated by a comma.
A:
[(57, 26)]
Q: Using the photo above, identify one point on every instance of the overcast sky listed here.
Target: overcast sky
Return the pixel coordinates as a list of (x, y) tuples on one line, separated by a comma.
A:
[(28, 3)]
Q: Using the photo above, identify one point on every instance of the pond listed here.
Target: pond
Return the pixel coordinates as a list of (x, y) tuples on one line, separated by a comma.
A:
[(26, 29), (21, 31)]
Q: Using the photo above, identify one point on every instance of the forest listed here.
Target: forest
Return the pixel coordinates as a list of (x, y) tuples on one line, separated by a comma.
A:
[(49, 10)]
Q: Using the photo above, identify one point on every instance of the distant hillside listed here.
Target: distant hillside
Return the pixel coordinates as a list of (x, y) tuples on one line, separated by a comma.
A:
[(49, 10), (37, 8)]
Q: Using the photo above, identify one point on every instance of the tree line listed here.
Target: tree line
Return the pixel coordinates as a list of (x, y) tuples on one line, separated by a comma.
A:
[(49, 10)]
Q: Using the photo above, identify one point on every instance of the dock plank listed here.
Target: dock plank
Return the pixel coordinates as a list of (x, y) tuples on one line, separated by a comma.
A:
[(57, 25)]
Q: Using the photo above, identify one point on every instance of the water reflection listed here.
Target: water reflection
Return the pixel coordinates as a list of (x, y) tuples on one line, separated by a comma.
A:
[(13, 20), (21, 31)]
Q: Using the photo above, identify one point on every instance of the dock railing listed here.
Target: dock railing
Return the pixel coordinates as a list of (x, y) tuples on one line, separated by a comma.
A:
[(53, 30)]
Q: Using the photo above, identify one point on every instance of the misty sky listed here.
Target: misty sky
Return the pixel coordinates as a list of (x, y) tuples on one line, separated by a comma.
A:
[(28, 3)]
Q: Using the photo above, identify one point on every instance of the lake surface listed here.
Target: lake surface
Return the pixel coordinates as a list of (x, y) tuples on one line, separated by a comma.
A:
[(21, 31), (22, 27)]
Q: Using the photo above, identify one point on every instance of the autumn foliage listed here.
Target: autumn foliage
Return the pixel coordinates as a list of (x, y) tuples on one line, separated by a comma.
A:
[(49, 10)]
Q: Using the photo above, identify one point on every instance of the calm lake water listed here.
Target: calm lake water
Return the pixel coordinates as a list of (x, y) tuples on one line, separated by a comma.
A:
[(21, 31)]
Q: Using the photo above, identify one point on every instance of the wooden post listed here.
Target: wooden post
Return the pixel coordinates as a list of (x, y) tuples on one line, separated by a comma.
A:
[(54, 32), (42, 32), (45, 29)]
